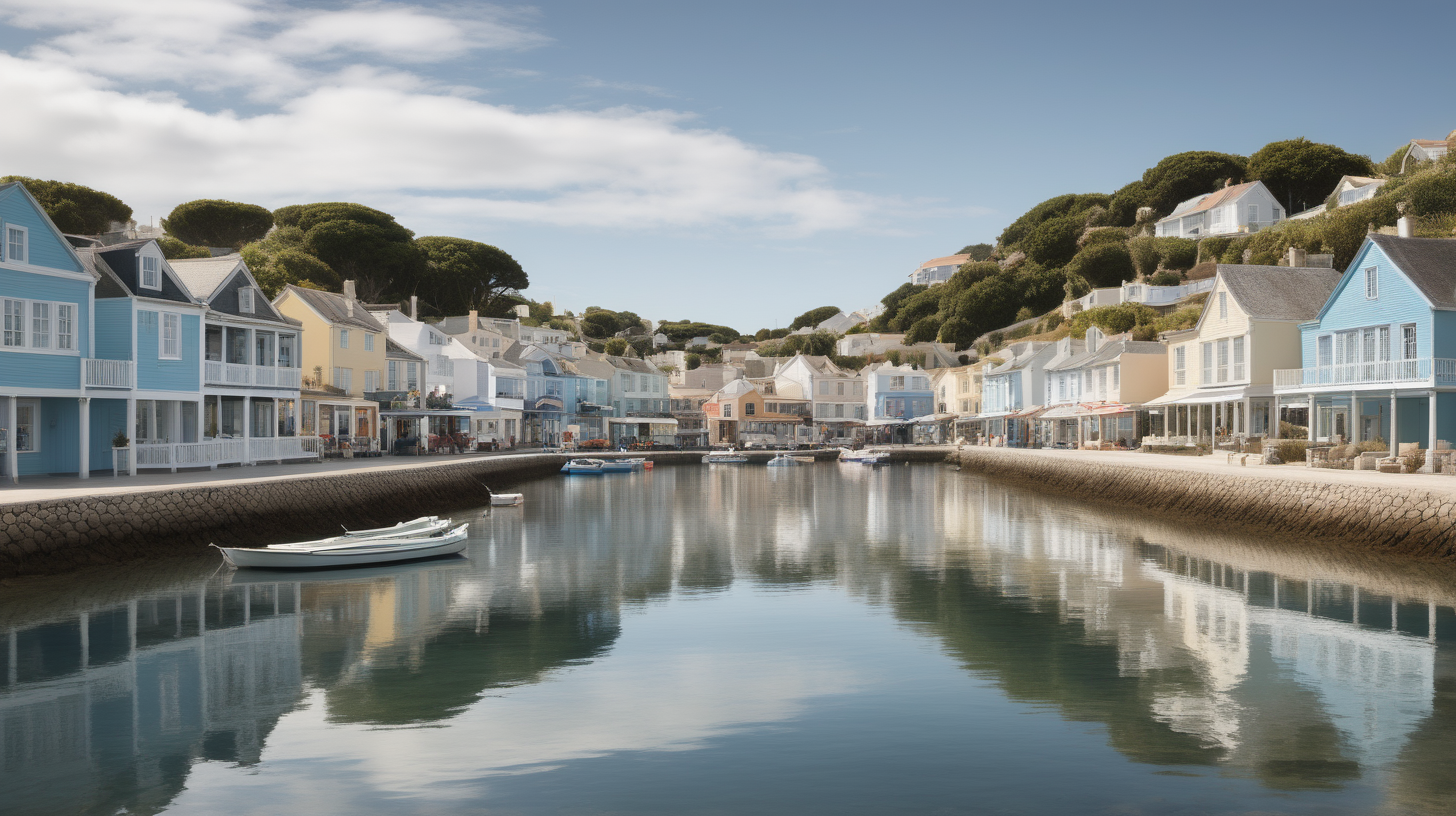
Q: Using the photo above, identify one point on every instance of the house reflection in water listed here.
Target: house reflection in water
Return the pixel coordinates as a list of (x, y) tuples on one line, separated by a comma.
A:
[(105, 710)]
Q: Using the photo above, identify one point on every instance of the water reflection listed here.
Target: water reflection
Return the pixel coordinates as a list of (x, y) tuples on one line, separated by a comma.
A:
[(683, 612)]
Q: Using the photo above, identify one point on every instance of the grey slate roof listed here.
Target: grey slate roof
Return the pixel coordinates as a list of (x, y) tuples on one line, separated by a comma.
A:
[(1430, 263), (204, 275), (332, 307), (395, 350), (1279, 292), (107, 284)]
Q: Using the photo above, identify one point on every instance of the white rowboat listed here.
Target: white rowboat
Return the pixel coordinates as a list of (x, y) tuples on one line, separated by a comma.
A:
[(342, 551), (506, 499), (402, 528)]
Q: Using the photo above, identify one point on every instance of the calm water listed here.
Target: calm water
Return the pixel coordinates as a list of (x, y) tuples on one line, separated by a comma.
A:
[(823, 639)]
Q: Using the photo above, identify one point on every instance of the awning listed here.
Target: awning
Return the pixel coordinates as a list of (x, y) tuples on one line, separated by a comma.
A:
[(640, 420), (929, 418), (889, 422), (411, 413), (1106, 408), (1212, 395), (546, 405), (1029, 413), (1170, 398), (1062, 412)]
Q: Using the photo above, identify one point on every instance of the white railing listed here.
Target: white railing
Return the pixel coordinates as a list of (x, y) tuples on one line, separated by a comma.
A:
[(278, 448), (217, 373), (108, 373), (1438, 371)]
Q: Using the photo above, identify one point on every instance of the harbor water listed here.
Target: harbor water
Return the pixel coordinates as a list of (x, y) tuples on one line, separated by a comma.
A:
[(824, 638)]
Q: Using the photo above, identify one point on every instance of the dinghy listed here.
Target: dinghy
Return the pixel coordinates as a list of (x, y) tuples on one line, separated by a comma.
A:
[(584, 467), (423, 523), (728, 457), (344, 551), (506, 499)]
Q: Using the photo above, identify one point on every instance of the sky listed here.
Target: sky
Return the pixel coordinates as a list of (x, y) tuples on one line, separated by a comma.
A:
[(734, 163)]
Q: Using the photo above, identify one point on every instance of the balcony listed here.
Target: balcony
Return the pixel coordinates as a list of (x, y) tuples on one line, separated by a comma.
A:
[(239, 374), (1427, 372), (108, 373)]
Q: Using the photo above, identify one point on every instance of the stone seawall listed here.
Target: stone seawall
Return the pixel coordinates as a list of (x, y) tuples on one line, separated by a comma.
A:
[(64, 534), (1383, 518)]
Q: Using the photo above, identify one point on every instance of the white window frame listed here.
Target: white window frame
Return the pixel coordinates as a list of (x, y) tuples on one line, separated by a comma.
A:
[(169, 323), (40, 324), (392, 375), (368, 341), (1372, 283), (1223, 360), (371, 380), (1207, 363), (1409, 348), (343, 378), (6, 253), (343, 338), (1223, 305), (35, 425), (25, 309), (1180, 365), (65, 327), (156, 271), (1238, 354), (245, 299), (897, 383)]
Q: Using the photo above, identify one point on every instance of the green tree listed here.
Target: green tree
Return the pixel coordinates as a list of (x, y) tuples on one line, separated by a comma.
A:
[(281, 259), (1300, 173), (76, 210), (361, 243), (813, 317), (978, 252), (692, 361), (617, 346), (1122, 210), (1053, 242), (1182, 176), (461, 275), (1072, 205), (172, 249), (924, 330), (213, 222), (1103, 265)]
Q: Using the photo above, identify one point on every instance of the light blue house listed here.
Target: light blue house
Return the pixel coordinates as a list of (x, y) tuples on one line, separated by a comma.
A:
[(47, 347), (1380, 358), (896, 396)]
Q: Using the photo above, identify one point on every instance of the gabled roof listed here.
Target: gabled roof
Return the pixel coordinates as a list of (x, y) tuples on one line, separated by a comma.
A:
[(1429, 263), (1278, 292), (122, 258), (333, 308), (733, 390), (108, 285), (204, 275), (1208, 201), (393, 349)]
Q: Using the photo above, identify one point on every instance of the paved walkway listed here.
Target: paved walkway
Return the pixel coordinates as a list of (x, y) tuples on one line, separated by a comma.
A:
[(45, 488), (1218, 463)]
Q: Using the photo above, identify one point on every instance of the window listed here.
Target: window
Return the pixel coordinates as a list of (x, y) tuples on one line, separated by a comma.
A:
[(1062, 388), (727, 410), (151, 272), (1253, 214), (245, 300), (1116, 376), (343, 338), (1180, 365), (1372, 284), (16, 240), (343, 378), (1223, 360), (1367, 345), (859, 389), (285, 351), (368, 341), (897, 383), (15, 323), (1218, 216), (1383, 343), (27, 426), (392, 369), (824, 387), (839, 410), (1101, 382), (65, 327), (1087, 384), (171, 345), (1207, 363), (1408, 341), (1323, 350), (1238, 358), (412, 373), (749, 409), (371, 381), (40, 325), (1223, 305)]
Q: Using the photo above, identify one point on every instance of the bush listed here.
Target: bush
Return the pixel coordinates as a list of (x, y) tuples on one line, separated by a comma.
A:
[(1060, 206), (1165, 278), (1288, 430), (1300, 173), (1429, 193), (1053, 242), (1144, 253), (173, 249), (214, 222), (1291, 450), (1103, 235), (1177, 253), (1103, 265), (1113, 319)]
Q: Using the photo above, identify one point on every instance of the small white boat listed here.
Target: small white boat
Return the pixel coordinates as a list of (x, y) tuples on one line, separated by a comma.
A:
[(402, 528), (783, 460), (343, 551), (868, 456), (728, 457), (584, 466), (506, 499)]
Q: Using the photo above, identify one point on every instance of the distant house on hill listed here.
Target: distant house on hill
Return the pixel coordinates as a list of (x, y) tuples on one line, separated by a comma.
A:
[(937, 270), (1350, 190), (1427, 150), (1237, 208)]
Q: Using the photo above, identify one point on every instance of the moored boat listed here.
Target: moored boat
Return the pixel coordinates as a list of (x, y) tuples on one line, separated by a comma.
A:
[(868, 456), (584, 467), (421, 524), (343, 551), (728, 457), (506, 499), (783, 460)]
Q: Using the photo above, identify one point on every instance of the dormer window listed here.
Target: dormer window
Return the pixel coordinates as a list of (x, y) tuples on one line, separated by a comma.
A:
[(17, 240), (151, 272), (245, 300)]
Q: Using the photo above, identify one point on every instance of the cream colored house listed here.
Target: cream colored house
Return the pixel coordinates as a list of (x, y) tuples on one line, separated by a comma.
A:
[(1221, 372), (343, 345), (1097, 388)]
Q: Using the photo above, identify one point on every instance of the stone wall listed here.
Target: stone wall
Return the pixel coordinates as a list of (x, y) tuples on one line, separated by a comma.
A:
[(1373, 517)]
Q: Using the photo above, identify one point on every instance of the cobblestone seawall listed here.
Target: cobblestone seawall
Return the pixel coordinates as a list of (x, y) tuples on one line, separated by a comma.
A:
[(65, 534), (1397, 519)]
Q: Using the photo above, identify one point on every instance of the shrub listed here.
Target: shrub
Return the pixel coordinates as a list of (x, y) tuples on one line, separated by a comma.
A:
[(214, 222), (1429, 193), (1177, 253), (1144, 252), (1207, 269), (1103, 265), (1053, 320), (1113, 319), (1291, 450), (1300, 173), (1182, 176), (1103, 235), (173, 249), (1053, 242), (1288, 430), (1060, 206), (1165, 278)]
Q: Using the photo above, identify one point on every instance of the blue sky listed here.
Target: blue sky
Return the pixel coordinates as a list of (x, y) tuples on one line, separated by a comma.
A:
[(735, 163)]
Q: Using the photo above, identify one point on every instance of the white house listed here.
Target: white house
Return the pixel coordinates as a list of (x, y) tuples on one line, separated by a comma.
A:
[(837, 396), (937, 270), (1423, 150), (1237, 208)]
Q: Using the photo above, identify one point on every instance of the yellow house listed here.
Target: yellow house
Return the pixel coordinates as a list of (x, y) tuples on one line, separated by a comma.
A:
[(343, 356), (1221, 372)]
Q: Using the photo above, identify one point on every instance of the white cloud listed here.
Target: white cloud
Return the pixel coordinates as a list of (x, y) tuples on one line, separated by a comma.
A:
[(103, 99)]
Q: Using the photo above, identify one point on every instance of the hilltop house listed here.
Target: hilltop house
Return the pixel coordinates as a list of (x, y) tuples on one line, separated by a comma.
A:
[(1424, 150), (1379, 355), (1221, 372), (1237, 208), (937, 270)]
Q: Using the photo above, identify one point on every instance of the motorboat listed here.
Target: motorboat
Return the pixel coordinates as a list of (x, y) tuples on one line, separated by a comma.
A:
[(868, 456), (621, 465), (785, 460), (586, 467), (344, 551), (507, 499), (728, 457), (423, 523)]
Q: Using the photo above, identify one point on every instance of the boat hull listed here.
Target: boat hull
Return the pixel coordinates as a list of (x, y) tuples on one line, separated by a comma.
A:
[(369, 552)]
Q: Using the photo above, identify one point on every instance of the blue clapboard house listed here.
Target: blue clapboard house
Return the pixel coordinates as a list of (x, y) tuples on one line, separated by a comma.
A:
[(1380, 359)]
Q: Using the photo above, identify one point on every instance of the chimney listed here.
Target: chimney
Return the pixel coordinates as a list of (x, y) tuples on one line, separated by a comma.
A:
[(1403, 227), (523, 310), (474, 319), (414, 307), (349, 297), (1296, 256)]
